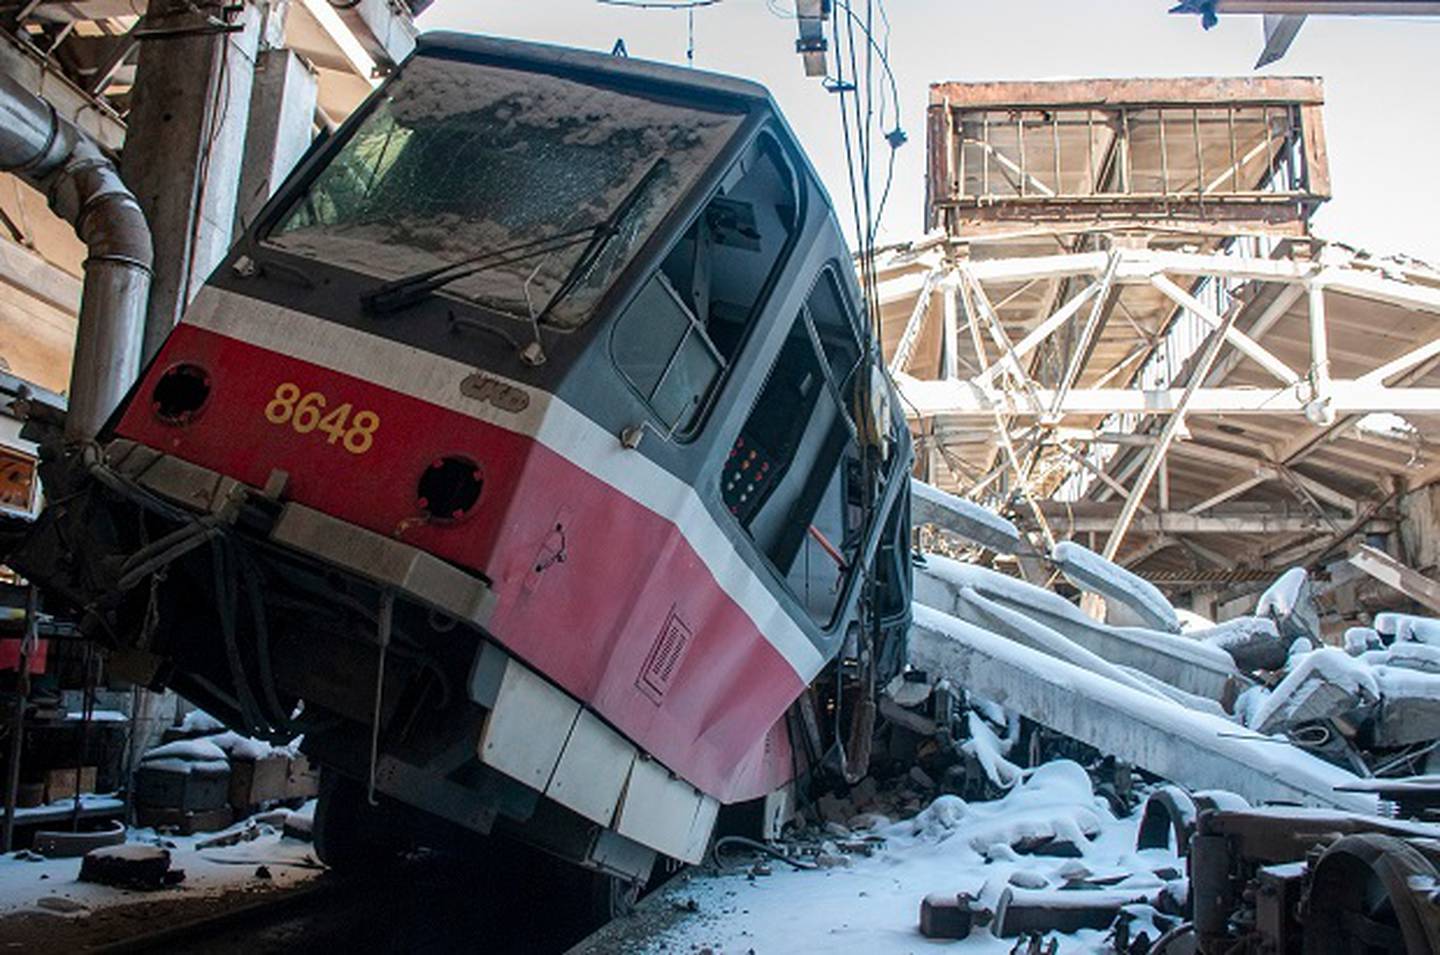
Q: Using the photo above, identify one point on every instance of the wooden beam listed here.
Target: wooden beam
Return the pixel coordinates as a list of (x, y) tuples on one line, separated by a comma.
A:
[(1397, 576)]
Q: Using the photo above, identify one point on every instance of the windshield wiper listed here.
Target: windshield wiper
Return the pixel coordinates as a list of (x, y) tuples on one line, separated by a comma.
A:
[(405, 291), (604, 232)]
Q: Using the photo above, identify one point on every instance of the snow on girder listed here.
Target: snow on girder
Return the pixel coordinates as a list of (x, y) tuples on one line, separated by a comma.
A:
[(930, 505), (1193, 749)]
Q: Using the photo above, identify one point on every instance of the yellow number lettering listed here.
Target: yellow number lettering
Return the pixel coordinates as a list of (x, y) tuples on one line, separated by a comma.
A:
[(333, 424), (307, 412), (362, 432), (282, 406)]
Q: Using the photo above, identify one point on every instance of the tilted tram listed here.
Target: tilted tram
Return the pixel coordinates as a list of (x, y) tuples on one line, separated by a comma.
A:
[(527, 455)]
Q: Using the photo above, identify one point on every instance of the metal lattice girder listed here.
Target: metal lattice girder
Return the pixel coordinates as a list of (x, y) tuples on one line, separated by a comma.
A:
[(961, 399)]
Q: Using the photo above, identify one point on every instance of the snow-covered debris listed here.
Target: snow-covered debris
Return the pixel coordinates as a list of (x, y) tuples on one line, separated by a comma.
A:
[(1290, 602), (1191, 748), (1405, 626), (199, 723), (1360, 639), (1409, 656), (952, 847), (980, 525), (187, 756), (1325, 683), (1186, 664), (1190, 621), (1253, 642), (990, 751), (1090, 572)]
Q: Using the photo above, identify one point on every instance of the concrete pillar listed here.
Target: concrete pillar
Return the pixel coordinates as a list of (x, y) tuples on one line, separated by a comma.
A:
[(184, 149), (282, 118)]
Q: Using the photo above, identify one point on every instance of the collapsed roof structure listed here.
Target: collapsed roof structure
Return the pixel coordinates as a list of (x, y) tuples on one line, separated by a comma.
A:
[(1121, 329)]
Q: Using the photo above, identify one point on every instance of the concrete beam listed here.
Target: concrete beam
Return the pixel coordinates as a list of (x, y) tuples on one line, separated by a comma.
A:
[(1194, 749), (191, 107), (1397, 576), (282, 118)]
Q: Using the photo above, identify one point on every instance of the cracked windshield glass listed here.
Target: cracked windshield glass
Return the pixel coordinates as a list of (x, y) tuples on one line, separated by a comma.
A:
[(460, 159)]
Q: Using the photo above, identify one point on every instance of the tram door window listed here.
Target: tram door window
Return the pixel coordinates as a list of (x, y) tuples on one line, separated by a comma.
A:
[(792, 478), (684, 327)]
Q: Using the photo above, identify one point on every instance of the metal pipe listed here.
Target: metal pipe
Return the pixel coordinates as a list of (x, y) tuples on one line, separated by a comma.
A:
[(84, 188)]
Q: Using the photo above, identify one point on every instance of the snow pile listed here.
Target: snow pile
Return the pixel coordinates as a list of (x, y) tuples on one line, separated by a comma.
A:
[(187, 756), (1329, 665), (29, 883), (199, 723), (1408, 627), (1290, 602), (953, 846), (1090, 572)]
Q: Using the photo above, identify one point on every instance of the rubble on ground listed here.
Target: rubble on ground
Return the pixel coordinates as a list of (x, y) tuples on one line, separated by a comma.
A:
[(991, 814)]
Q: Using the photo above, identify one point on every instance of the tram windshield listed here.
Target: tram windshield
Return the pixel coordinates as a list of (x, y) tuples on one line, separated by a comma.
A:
[(460, 159)]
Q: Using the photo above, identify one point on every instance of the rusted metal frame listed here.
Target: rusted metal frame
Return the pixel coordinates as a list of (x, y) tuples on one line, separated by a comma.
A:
[(1305, 497), (1199, 154), (959, 189), (900, 360), (1176, 92), (1167, 435), (1126, 169), (1164, 156), (1270, 156), (985, 152), (1020, 148), (1055, 151), (1089, 333), (1239, 339), (1234, 150), (1232, 491), (1090, 151)]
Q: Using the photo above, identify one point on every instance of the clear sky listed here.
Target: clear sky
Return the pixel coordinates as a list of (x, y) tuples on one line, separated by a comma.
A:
[(1382, 81)]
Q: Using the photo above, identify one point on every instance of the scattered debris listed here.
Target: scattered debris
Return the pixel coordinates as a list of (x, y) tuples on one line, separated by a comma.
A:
[(131, 866)]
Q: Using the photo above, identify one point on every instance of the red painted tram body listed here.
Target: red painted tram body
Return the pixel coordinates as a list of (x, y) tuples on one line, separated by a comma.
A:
[(527, 455)]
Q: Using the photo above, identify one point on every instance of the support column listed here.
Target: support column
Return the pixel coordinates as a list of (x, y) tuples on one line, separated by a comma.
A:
[(185, 146), (282, 120)]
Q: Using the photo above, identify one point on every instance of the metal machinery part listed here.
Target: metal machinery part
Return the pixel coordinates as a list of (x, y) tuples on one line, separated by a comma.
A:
[(1311, 882)]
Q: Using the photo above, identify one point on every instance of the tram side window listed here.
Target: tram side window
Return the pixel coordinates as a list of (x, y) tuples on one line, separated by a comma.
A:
[(793, 471), (685, 326)]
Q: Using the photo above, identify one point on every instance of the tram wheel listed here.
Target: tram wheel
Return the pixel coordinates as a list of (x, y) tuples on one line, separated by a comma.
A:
[(1363, 899), (349, 833)]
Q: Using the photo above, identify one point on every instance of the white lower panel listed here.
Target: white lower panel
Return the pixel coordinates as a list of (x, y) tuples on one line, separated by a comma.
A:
[(660, 811), (590, 777), (526, 731)]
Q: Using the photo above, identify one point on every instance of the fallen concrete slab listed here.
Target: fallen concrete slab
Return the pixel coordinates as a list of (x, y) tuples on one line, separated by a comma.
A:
[(979, 525), (1192, 749), (1092, 573), (1179, 661)]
